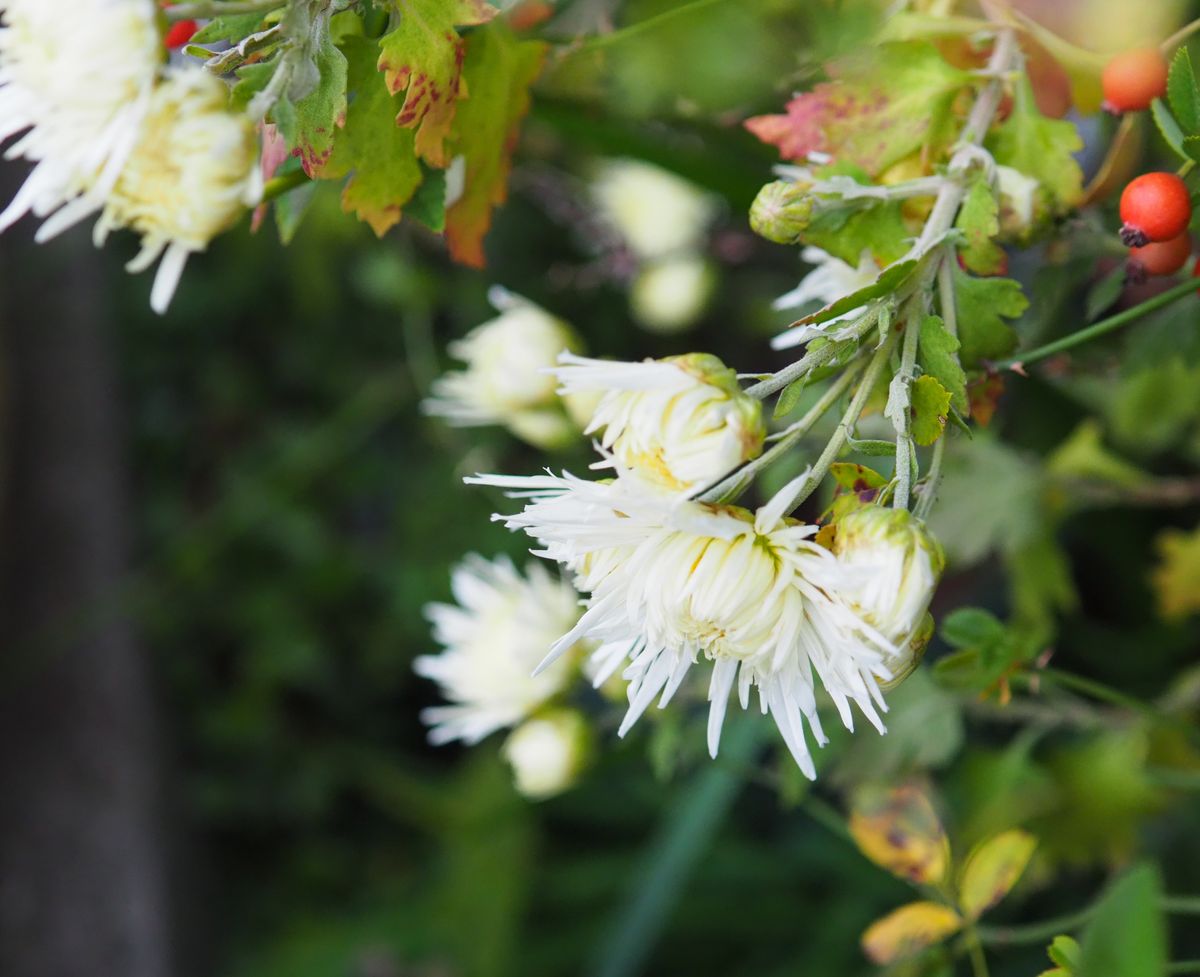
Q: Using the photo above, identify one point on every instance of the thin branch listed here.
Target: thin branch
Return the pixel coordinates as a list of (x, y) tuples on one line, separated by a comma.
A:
[(810, 361), (215, 8)]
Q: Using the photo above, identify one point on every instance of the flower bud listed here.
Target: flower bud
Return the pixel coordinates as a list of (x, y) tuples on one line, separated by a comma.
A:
[(677, 424), (508, 378), (892, 565), (781, 211), (668, 296), (656, 212), (547, 753)]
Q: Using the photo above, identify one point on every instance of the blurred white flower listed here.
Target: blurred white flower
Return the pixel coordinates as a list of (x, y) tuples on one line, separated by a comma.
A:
[(548, 752), (892, 566), (677, 424), (656, 212), (192, 174), (750, 593), (75, 82), (669, 295), (831, 279), (508, 379), (501, 627)]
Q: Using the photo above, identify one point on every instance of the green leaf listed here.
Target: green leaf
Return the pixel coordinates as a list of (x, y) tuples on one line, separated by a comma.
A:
[(930, 409), (888, 282), (231, 27), (376, 155), (1127, 935), (881, 106), (846, 232), (1176, 579), (1183, 94), (1168, 127), (1040, 147), (856, 478), (789, 398), (252, 79), (311, 123), (938, 356), (428, 204), (1083, 456), (979, 222), (499, 70), (992, 869), (983, 304), (1191, 146), (423, 57), (1105, 292), (1065, 953), (971, 627)]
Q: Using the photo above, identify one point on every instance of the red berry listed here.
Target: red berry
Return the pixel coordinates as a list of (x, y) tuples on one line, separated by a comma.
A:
[(1154, 207), (179, 33), (1134, 79), (1160, 257)]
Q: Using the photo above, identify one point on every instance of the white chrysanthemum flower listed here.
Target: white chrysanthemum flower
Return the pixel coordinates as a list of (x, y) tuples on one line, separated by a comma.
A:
[(75, 81), (892, 566), (656, 212), (192, 174), (677, 424), (668, 296), (548, 752), (508, 379), (501, 627), (831, 279), (750, 593)]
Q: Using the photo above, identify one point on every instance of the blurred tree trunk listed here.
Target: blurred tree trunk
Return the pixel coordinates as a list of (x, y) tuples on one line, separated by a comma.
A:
[(82, 879)]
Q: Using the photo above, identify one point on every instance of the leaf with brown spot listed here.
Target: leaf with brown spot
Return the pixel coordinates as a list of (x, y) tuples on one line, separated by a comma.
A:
[(898, 830), (499, 68), (908, 930), (423, 57), (992, 869)]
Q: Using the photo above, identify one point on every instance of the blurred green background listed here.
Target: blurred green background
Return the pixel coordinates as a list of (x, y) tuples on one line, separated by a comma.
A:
[(220, 528)]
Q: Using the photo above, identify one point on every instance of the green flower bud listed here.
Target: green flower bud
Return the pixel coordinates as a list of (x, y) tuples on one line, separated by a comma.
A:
[(781, 212)]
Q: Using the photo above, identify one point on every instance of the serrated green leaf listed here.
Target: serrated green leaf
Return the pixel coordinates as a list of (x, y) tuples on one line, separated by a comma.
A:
[(979, 222), (983, 304), (423, 57), (1183, 94), (889, 280), (378, 156), (1040, 147), (879, 107), (938, 356), (1127, 935), (930, 409), (1168, 127), (499, 70), (252, 79), (992, 869), (311, 122), (789, 398), (231, 27)]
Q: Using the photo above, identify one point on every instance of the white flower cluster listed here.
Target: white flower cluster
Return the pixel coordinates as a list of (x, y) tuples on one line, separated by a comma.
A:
[(108, 129), (508, 378), (662, 219), (673, 582), (501, 627)]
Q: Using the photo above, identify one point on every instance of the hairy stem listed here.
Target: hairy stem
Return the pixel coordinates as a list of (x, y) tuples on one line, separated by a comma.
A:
[(809, 361), (219, 8), (1101, 328), (904, 442)]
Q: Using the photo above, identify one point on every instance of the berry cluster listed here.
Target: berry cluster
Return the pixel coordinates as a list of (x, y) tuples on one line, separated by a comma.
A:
[(1156, 208)]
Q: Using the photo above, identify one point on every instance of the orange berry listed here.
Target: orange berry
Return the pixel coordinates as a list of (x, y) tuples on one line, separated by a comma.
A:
[(1160, 257), (1154, 207), (1133, 79), (179, 33)]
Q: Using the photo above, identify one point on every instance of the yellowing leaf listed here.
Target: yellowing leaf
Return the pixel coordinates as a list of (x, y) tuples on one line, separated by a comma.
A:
[(930, 409), (898, 830), (1176, 580), (880, 107), (378, 157), (423, 57), (499, 69), (909, 930), (992, 869)]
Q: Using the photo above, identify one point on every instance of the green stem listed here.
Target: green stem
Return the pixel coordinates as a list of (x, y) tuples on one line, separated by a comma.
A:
[(809, 361), (1181, 905), (1171, 43), (1100, 328), (904, 443), (979, 965), (1184, 967), (1035, 932), (933, 481), (279, 185), (733, 486), (649, 24), (846, 425), (215, 8)]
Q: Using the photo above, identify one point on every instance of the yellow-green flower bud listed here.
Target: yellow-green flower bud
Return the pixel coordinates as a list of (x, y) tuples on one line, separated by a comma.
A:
[(781, 211), (548, 752)]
